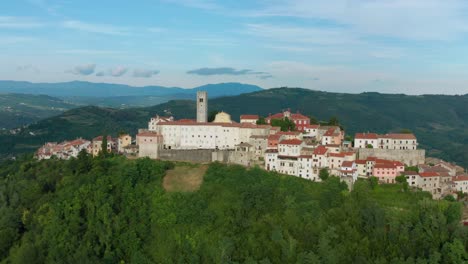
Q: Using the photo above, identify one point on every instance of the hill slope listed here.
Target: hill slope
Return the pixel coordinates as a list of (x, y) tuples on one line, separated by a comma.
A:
[(440, 122), (22, 109), (115, 210)]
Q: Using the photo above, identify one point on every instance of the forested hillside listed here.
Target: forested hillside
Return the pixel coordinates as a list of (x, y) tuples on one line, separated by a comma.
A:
[(23, 109), (440, 122), (114, 210)]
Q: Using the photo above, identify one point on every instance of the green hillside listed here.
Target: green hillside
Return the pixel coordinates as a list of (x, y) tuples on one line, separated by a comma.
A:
[(23, 109), (114, 210), (440, 122)]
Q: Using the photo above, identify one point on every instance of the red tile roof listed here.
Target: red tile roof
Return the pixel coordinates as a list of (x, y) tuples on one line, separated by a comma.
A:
[(148, 134), (399, 136), (347, 164), (330, 132), (293, 141), (361, 161), (460, 178), (250, 117), (429, 174), (289, 133), (365, 136), (320, 150), (99, 138), (384, 166), (311, 126)]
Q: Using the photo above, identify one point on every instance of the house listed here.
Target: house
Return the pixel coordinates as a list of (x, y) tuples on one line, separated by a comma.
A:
[(305, 168), (430, 182), (97, 145), (149, 144), (320, 158), (222, 117), (386, 171), (460, 183), (299, 120), (158, 119), (332, 136), (349, 171), (123, 141), (400, 141), (311, 131), (273, 141), (365, 140), (250, 119)]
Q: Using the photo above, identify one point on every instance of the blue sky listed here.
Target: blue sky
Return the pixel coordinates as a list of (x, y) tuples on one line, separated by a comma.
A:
[(392, 46)]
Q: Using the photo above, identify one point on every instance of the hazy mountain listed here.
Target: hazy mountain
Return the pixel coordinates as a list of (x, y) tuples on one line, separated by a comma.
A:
[(440, 122), (88, 89)]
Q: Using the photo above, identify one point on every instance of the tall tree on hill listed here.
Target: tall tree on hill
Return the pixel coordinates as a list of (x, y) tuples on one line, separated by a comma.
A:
[(104, 145), (261, 121)]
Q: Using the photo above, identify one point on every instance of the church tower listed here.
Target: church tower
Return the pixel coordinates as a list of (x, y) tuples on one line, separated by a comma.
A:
[(202, 107)]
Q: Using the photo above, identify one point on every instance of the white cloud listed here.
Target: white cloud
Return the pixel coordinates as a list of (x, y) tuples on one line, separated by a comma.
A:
[(114, 72), (86, 69), (96, 28), (144, 73), (407, 19)]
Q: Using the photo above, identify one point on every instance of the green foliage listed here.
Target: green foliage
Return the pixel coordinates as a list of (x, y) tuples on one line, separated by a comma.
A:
[(285, 124), (323, 174), (412, 168), (212, 115), (116, 211), (333, 121), (103, 151), (369, 146), (261, 121)]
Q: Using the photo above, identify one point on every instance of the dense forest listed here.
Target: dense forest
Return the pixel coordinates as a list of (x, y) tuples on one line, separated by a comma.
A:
[(115, 210), (440, 122)]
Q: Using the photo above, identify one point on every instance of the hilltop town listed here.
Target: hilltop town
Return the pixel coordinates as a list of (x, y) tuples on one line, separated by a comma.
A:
[(285, 142)]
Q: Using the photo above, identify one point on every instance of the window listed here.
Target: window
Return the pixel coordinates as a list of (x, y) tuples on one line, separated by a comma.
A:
[(201, 100)]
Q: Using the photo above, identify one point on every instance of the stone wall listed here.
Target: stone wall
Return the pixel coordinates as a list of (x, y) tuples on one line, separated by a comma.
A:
[(190, 155), (409, 157)]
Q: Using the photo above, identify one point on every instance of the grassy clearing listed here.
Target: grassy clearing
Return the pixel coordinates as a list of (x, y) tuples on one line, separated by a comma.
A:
[(184, 178), (391, 195)]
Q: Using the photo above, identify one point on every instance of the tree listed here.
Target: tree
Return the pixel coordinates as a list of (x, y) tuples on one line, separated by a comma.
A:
[(369, 146), (402, 180), (333, 121), (323, 174), (406, 131), (104, 145), (313, 120), (285, 124), (373, 182), (212, 115), (261, 121)]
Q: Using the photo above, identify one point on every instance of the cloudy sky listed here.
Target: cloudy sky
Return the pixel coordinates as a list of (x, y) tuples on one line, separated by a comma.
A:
[(393, 46)]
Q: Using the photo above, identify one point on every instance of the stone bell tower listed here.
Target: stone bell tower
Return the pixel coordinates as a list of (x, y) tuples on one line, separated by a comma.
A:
[(202, 107)]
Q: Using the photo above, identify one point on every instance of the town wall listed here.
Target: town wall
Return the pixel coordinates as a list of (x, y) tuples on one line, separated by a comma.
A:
[(409, 157)]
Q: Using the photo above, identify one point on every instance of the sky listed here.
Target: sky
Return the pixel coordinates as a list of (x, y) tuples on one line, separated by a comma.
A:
[(353, 46)]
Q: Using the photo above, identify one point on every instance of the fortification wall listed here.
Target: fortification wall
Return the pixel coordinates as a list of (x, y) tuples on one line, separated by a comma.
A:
[(409, 157), (190, 155)]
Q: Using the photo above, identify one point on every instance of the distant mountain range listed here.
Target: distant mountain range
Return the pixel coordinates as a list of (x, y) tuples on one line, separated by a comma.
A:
[(23, 103), (440, 122), (88, 89)]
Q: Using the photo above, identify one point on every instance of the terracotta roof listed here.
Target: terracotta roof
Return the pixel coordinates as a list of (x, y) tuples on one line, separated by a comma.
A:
[(289, 133), (291, 142), (429, 174), (347, 164), (460, 178), (365, 136), (187, 120), (330, 132), (384, 166), (299, 116), (338, 155), (274, 137), (148, 134), (410, 173), (320, 150), (312, 126), (233, 124), (250, 117), (398, 136), (99, 138), (361, 161)]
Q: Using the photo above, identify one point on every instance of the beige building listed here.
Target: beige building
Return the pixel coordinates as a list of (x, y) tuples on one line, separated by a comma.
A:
[(124, 140), (149, 144), (97, 145)]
